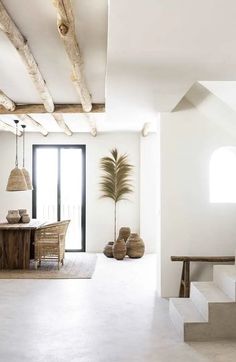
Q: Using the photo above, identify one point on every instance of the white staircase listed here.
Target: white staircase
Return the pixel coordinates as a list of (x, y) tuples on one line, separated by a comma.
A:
[(210, 312)]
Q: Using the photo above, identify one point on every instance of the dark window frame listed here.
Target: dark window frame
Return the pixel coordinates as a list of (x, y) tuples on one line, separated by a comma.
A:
[(83, 206)]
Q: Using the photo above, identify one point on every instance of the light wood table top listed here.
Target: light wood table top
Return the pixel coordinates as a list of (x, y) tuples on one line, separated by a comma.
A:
[(33, 224)]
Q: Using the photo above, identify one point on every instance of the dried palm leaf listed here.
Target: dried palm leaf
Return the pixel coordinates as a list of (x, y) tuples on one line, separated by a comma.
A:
[(115, 181)]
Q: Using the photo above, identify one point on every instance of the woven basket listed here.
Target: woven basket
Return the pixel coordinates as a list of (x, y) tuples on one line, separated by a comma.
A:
[(124, 233), (135, 246), (108, 249), (119, 249)]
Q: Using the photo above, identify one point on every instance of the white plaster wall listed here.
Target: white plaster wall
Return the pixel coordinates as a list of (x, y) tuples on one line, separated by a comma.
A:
[(99, 212), (150, 190), (150, 198), (190, 224)]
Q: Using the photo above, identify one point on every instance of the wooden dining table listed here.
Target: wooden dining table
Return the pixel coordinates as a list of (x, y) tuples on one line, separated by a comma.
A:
[(16, 244)]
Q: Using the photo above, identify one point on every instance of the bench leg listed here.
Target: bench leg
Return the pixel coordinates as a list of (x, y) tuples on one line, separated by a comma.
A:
[(181, 287), (184, 290)]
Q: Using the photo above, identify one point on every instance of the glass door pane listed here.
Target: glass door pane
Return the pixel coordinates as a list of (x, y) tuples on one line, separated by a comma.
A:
[(46, 174), (71, 195), (59, 189)]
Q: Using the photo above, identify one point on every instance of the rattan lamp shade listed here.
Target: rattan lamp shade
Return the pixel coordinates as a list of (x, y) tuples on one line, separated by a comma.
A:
[(27, 179), (16, 181)]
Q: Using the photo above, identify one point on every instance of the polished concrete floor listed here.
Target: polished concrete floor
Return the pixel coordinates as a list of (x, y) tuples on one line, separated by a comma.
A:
[(114, 317)]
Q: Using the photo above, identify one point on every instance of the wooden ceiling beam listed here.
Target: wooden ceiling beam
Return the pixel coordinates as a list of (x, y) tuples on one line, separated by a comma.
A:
[(146, 129), (93, 131), (8, 26), (66, 29), (29, 121), (92, 125), (93, 128), (7, 128), (6, 102), (61, 123), (59, 108)]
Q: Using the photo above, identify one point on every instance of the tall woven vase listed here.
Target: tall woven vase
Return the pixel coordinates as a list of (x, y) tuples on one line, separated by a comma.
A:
[(135, 246), (124, 233), (119, 249)]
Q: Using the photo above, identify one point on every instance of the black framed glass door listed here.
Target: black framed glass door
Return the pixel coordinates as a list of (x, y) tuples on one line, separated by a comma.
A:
[(59, 189)]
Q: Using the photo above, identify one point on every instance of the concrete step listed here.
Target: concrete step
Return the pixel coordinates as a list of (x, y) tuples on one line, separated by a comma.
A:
[(189, 315), (224, 276), (205, 295), (184, 312)]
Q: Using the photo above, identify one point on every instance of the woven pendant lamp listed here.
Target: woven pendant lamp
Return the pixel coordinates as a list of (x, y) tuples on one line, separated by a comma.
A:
[(26, 172), (16, 180)]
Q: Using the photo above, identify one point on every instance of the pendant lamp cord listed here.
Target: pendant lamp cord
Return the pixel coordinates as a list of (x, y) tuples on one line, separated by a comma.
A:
[(16, 122), (23, 146)]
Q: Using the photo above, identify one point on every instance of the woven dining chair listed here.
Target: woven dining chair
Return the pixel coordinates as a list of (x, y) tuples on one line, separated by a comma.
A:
[(50, 242)]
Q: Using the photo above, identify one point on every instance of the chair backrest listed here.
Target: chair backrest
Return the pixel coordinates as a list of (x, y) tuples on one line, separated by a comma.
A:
[(50, 232)]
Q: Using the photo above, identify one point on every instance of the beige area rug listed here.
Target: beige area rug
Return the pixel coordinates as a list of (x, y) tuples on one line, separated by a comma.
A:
[(76, 266)]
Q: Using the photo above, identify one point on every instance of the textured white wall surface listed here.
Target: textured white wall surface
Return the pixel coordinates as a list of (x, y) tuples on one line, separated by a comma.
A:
[(150, 190), (190, 224)]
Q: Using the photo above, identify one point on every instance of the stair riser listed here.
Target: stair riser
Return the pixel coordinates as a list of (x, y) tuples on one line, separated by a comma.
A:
[(176, 320), (222, 325), (225, 283), (196, 332), (199, 301)]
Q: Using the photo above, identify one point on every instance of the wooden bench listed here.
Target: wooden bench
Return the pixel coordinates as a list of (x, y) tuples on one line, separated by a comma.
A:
[(184, 290)]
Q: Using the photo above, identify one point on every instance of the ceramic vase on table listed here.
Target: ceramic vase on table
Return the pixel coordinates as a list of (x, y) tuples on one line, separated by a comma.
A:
[(22, 212), (25, 218), (13, 216), (135, 246), (119, 249)]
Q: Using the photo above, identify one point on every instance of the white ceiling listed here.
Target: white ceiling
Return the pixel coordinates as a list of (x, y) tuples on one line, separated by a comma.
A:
[(155, 52), (158, 49), (213, 107), (224, 90)]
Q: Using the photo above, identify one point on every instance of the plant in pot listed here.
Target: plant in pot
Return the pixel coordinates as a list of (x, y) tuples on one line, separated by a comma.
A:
[(115, 180)]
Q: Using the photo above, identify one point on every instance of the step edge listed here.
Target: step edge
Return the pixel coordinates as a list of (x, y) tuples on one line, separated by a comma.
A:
[(208, 300), (202, 318)]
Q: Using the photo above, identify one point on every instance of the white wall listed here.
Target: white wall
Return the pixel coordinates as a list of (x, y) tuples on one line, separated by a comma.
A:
[(190, 224), (150, 191), (99, 212)]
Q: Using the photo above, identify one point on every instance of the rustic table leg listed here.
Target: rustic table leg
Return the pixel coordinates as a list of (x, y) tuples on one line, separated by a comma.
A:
[(32, 241), (15, 248), (24, 261)]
